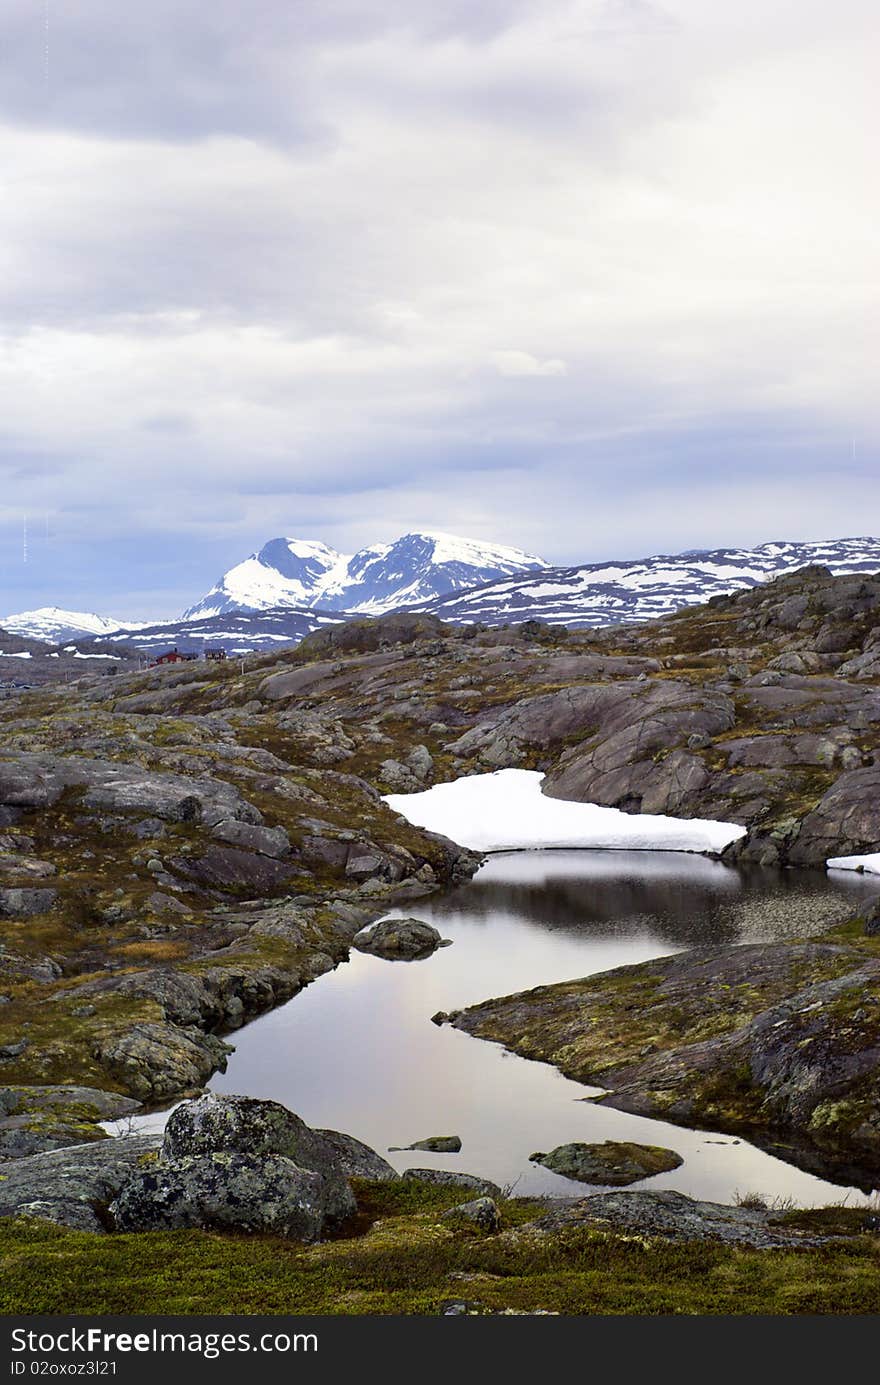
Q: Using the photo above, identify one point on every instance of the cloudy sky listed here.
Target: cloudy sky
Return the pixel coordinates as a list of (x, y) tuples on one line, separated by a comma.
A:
[(594, 277)]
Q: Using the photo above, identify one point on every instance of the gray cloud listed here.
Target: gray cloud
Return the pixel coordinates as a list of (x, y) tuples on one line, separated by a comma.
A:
[(180, 71), (563, 272)]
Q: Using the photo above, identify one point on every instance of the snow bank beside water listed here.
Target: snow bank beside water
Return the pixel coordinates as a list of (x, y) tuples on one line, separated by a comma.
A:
[(506, 811), (869, 864)]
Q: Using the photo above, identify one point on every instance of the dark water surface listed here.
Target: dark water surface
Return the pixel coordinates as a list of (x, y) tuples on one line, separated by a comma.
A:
[(356, 1050)]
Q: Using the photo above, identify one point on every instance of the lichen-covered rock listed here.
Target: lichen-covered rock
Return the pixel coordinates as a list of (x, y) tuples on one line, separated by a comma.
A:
[(613, 1163), (248, 1126), (399, 940), (156, 1060), (225, 1191), (482, 1212), (74, 1186), (33, 1119), (780, 1042)]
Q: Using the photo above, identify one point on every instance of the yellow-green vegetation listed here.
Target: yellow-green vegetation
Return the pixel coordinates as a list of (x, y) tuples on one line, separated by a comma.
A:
[(407, 1259), (592, 1026)]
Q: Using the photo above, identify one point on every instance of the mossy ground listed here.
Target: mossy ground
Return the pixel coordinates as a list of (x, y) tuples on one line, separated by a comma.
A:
[(408, 1260)]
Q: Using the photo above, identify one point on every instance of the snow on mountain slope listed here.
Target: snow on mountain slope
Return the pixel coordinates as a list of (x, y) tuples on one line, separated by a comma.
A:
[(53, 625), (238, 632), (382, 577), (285, 572), (623, 592)]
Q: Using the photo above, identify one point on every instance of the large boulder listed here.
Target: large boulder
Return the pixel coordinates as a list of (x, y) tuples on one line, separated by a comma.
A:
[(356, 1159), (225, 1191), (224, 1164), (24, 901), (399, 940), (261, 1130)]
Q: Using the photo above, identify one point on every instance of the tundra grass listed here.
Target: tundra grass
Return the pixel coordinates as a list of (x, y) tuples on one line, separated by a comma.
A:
[(406, 1259)]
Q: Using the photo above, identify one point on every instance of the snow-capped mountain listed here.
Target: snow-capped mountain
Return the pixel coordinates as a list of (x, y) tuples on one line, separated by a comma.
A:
[(382, 577), (623, 592), (53, 625)]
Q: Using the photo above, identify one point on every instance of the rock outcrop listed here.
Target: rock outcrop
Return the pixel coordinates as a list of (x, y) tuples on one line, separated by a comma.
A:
[(779, 1042), (612, 1163), (671, 1216), (33, 1119), (399, 940)]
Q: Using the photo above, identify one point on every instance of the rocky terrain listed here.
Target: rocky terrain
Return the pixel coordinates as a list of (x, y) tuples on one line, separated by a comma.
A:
[(319, 1222), (182, 848)]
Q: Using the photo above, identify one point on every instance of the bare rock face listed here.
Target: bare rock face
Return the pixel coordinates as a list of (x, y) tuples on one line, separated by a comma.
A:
[(845, 821), (37, 781), (628, 764)]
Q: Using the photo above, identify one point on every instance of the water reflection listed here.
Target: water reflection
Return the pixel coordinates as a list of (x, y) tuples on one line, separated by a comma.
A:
[(687, 900), (356, 1050)]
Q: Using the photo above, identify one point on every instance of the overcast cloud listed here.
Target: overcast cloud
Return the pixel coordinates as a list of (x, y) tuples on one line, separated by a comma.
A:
[(595, 277)]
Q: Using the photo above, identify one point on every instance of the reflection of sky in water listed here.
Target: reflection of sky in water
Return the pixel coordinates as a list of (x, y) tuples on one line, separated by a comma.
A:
[(356, 1051)]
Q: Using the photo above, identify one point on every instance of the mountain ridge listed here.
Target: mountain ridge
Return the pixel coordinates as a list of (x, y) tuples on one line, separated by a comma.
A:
[(623, 591), (635, 590), (421, 565)]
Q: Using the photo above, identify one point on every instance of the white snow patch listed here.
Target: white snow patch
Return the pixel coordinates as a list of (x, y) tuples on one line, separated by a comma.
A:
[(506, 811), (870, 863)]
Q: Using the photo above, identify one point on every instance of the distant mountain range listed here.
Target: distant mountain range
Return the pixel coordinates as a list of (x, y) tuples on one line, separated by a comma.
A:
[(238, 632), (615, 593), (55, 626), (384, 577), (292, 586)]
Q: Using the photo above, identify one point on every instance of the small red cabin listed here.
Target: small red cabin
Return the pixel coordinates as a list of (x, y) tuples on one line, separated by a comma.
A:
[(173, 656)]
